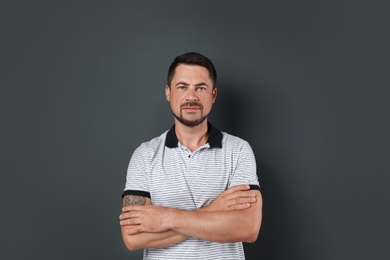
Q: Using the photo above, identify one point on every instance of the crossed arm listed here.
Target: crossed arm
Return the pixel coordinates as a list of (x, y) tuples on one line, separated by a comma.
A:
[(141, 240), (234, 216)]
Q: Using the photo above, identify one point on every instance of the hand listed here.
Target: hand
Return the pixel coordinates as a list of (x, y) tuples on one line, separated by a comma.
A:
[(235, 198), (145, 218)]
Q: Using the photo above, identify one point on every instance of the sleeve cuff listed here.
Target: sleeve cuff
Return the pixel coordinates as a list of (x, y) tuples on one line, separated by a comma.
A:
[(254, 187), (136, 193)]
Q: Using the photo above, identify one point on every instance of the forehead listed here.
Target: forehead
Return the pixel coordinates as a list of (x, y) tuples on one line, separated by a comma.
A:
[(185, 72)]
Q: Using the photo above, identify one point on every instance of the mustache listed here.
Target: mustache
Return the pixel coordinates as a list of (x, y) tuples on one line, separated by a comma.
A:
[(191, 104)]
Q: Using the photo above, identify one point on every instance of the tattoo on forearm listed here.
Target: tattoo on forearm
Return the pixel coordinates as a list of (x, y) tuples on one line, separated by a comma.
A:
[(129, 200)]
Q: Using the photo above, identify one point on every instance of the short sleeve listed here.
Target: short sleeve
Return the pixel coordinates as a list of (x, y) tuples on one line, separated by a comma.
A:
[(137, 173), (245, 171)]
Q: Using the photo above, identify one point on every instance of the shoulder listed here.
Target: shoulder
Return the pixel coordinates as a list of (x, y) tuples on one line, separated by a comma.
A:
[(152, 145), (236, 145), (146, 151), (232, 140)]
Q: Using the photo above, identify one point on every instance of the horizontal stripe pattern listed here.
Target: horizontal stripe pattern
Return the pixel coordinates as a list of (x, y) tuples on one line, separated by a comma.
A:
[(176, 177)]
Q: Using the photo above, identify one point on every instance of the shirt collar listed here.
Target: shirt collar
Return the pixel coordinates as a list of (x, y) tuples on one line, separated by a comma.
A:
[(214, 139)]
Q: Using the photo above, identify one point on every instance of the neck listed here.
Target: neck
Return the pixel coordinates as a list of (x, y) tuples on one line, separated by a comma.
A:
[(191, 137)]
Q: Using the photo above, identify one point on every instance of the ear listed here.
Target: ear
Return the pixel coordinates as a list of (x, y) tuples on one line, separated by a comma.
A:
[(168, 93), (214, 93)]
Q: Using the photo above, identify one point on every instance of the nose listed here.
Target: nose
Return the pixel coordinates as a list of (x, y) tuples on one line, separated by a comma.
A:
[(192, 95)]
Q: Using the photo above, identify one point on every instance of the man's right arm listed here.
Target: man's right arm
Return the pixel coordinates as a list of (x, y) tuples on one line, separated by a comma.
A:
[(147, 240)]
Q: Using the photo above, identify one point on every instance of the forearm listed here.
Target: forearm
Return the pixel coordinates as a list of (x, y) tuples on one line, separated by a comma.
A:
[(151, 240), (232, 217), (221, 226)]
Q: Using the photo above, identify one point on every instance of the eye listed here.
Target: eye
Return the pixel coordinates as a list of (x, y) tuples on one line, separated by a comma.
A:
[(201, 88)]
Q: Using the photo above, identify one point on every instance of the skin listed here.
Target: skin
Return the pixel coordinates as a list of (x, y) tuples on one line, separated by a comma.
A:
[(237, 198), (191, 85), (234, 216)]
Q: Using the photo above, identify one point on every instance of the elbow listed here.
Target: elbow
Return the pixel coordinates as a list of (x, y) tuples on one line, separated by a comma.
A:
[(251, 235), (247, 234), (252, 232), (251, 238), (131, 243), (132, 246), (253, 226)]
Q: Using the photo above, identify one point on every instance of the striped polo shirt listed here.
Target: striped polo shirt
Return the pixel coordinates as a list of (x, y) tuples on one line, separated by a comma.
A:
[(171, 175)]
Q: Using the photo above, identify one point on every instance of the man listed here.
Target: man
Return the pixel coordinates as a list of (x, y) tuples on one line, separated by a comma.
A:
[(192, 192)]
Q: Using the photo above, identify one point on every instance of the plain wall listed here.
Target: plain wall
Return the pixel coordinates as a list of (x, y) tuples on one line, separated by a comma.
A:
[(305, 82)]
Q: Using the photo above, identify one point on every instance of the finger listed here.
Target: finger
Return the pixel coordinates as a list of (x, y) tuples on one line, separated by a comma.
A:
[(132, 208), (124, 215), (241, 194), (126, 208), (248, 193), (134, 230), (130, 221), (241, 206), (245, 194), (240, 200), (129, 214), (245, 200)]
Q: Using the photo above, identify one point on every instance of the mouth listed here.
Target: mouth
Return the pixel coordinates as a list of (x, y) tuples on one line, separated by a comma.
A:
[(194, 107), (191, 106), (190, 110)]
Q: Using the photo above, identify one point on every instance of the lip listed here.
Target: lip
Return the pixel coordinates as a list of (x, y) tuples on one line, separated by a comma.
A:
[(190, 109), (193, 107)]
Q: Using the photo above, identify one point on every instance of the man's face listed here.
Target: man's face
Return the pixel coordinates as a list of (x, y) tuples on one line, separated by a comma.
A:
[(191, 94)]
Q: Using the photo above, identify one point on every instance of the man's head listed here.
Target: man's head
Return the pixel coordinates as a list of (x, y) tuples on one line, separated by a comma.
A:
[(190, 89), (195, 59)]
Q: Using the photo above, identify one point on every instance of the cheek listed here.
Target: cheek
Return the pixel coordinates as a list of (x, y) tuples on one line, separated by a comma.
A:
[(175, 103), (210, 101), (177, 99)]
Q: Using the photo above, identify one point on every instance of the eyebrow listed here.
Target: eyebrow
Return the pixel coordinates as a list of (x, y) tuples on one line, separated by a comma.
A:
[(196, 85)]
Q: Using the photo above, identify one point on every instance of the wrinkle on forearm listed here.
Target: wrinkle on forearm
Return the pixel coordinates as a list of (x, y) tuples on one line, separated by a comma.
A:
[(221, 226), (151, 240), (214, 226)]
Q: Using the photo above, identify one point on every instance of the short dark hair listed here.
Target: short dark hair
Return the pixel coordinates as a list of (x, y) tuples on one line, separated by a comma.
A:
[(192, 58)]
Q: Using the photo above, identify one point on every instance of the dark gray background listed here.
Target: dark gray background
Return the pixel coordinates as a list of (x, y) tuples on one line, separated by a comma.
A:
[(305, 82)]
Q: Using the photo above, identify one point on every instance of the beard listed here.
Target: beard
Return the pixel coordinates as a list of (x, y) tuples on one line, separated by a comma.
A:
[(190, 123)]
